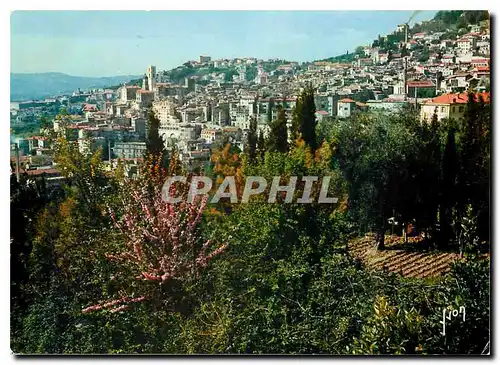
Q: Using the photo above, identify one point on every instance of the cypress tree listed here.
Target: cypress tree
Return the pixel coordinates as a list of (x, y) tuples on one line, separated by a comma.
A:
[(251, 145), (475, 175), (304, 118), (155, 145), (278, 135), (448, 187), (261, 145), (469, 141), (433, 172)]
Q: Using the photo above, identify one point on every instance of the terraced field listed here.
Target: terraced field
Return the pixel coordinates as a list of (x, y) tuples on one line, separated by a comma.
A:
[(406, 260)]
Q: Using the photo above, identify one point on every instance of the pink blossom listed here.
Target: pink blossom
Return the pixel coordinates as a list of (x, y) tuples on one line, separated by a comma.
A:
[(119, 309), (112, 303), (162, 246), (92, 308), (150, 277)]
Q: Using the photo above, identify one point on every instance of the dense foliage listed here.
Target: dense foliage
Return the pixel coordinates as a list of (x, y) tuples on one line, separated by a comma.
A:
[(104, 265)]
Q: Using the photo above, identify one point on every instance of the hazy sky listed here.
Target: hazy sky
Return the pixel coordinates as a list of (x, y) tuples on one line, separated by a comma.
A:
[(108, 43)]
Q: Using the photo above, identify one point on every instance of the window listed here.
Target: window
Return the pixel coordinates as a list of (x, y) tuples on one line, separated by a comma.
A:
[(442, 109), (453, 109), (346, 108), (461, 109)]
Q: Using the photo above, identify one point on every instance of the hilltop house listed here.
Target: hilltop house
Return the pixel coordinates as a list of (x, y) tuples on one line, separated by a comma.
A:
[(448, 106)]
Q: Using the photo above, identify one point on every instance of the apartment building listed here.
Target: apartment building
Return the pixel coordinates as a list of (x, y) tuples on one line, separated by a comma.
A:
[(448, 106), (128, 93), (129, 150), (144, 98)]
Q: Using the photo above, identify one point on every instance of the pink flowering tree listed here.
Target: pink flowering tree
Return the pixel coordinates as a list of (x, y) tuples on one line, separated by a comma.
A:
[(161, 250)]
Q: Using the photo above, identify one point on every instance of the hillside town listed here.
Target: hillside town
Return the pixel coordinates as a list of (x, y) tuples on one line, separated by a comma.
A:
[(210, 107)]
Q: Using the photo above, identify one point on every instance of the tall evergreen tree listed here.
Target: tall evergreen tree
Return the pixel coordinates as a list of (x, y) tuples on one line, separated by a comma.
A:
[(26, 201), (448, 187), (154, 142), (155, 146), (429, 175), (261, 145), (278, 135), (251, 145), (470, 150), (304, 118), (474, 179)]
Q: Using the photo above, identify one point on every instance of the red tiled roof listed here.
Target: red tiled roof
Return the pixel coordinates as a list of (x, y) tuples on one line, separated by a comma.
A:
[(426, 83), (79, 126), (483, 68), (322, 112), (89, 107), (346, 100), (458, 98), (42, 171)]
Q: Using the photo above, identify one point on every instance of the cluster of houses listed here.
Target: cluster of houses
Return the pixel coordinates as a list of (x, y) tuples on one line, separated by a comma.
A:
[(210, 110)]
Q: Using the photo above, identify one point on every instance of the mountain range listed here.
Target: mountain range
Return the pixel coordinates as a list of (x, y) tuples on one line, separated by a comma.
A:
[(28, 86)]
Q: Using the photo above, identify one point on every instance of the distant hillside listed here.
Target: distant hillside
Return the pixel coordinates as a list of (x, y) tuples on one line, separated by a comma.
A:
[(178, 74), (42, 85), (345, 58), (449, 22)]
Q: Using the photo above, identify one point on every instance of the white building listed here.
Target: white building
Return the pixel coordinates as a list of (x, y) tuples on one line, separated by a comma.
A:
[(211, 135), (205, 59), (399, 88), (466, 45), (480, 62), (386, 105), (165, 111), (151, 78), (242, 74), (128, 93), (345, 107), (129, 150)]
